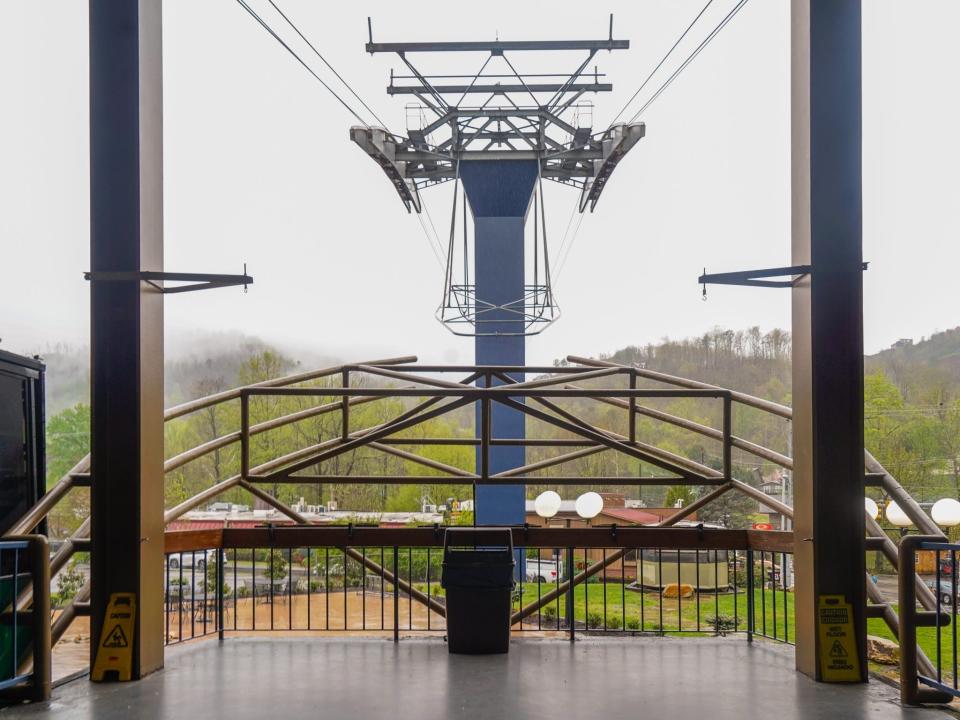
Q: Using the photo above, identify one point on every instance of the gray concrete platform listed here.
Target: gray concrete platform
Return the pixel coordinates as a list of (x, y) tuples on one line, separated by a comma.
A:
[(275, 679)]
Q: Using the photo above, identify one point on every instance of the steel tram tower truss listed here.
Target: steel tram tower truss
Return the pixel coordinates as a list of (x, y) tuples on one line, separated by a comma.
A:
[(512, 119)]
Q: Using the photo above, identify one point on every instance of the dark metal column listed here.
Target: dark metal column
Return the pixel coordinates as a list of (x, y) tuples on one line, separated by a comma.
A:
[(499, 192), (827, 317), (126, 235)]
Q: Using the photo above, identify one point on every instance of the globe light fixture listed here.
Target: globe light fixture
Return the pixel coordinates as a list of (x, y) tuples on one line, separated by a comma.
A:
[(871, 507), (897, 516), (589, 505), (547, 504), (946, 512)]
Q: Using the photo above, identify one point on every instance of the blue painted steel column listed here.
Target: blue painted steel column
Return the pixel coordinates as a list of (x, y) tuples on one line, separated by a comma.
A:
[(499, 192), (827, 231)]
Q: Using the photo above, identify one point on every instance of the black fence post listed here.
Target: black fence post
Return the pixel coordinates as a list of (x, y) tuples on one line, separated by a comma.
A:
[(396, 594), (221, 581), (571, 621), (750, 609)]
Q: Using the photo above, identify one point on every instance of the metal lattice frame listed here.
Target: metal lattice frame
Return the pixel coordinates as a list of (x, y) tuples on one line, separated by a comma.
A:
[(522, 116), (442, 396), (498, 113)]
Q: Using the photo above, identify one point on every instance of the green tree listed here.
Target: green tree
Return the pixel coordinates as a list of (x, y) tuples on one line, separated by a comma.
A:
[(68, 440)]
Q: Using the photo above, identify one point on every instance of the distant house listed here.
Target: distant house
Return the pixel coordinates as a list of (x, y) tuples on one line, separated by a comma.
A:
[(616, 510)]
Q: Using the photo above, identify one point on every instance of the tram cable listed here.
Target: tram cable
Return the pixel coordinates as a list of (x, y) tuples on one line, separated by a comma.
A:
[(676, 73), (272, 32), (690, 58), (331, 67), (660, 64)]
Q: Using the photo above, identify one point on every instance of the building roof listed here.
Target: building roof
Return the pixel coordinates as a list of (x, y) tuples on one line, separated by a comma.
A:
[(631, 515), (216, 519)]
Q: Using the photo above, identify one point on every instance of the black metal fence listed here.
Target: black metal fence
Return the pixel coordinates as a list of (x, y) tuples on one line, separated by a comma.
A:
[(24, 622), (928, 625), (396, 590)]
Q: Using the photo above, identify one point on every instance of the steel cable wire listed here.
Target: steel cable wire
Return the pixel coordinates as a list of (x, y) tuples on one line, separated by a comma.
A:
[(300, 60), (325, 62)]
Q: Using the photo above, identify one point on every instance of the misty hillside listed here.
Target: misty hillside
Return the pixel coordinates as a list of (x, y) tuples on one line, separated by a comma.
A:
[(196, 365), (747, 360)]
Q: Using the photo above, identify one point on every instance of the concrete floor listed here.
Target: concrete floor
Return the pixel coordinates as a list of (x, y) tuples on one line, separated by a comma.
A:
[(274, 679)]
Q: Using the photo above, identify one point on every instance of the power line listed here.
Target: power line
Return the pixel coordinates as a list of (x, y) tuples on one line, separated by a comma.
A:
[(290, 50), (332, 69), (430, 240), (566, 231), (691, 57), (660, 64), (573, 239)]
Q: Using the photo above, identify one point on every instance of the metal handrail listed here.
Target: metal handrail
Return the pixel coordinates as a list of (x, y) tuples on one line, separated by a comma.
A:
[(558, 385), (32, 670), (360, 544), (918, 687)]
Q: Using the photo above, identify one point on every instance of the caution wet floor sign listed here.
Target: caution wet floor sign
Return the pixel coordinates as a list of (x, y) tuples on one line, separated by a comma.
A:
[(838, 644), (115, 652)]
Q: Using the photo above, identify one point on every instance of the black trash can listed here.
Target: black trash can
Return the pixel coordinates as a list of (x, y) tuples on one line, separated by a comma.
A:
[(478, 581)]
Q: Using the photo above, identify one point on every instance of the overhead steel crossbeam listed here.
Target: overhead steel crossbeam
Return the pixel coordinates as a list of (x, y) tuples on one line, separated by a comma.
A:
[(522, 116)]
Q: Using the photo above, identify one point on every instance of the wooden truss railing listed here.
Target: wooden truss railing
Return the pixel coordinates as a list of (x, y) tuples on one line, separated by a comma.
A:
[(537, 399)]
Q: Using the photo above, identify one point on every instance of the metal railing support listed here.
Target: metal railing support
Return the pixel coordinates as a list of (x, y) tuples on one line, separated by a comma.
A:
[(571, 605), (911, 691), (32, 670), (396, 594), (220, 583), (750, 603)]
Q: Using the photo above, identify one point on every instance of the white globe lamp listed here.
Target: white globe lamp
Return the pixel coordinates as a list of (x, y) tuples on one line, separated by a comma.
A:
[(897, 516), (589, 505), (946, 512), (871, 507), (547, 504)]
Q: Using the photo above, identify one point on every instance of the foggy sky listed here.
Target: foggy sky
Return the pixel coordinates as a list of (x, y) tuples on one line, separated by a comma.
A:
[(259, 169)]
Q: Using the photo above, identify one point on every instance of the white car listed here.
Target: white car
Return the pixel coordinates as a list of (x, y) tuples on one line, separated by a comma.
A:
[(189, 560), (543, 571)]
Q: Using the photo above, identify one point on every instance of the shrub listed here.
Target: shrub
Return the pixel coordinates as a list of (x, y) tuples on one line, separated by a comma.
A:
[(69, 582), (549, 613), (594, 620), (633, 623), (614, 622), (243, 592), (722, 624)]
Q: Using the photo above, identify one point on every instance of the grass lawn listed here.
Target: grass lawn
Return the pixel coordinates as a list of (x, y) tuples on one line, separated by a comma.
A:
[(926, 639), (649, 612)]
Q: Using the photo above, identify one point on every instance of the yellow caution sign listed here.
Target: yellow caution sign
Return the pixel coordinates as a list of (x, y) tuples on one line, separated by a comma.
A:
[(115, 652), (839, 661)]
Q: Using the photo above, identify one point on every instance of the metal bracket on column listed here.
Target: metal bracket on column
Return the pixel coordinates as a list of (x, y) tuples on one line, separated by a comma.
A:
[(751, 278), (194, 281)]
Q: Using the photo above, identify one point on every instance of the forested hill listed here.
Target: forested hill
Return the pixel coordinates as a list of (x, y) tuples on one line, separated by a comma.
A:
[(927, 371), (746, 360), (197, 365)]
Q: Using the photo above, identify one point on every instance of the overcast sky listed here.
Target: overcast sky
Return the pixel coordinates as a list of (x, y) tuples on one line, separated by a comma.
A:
[(259, 169)]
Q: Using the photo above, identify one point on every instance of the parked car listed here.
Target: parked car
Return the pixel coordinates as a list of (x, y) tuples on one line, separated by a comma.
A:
[(189, 560), (948, 593), (543, 570)]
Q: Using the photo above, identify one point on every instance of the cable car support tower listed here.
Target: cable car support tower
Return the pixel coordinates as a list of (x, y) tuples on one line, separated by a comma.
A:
[(497, 134)]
